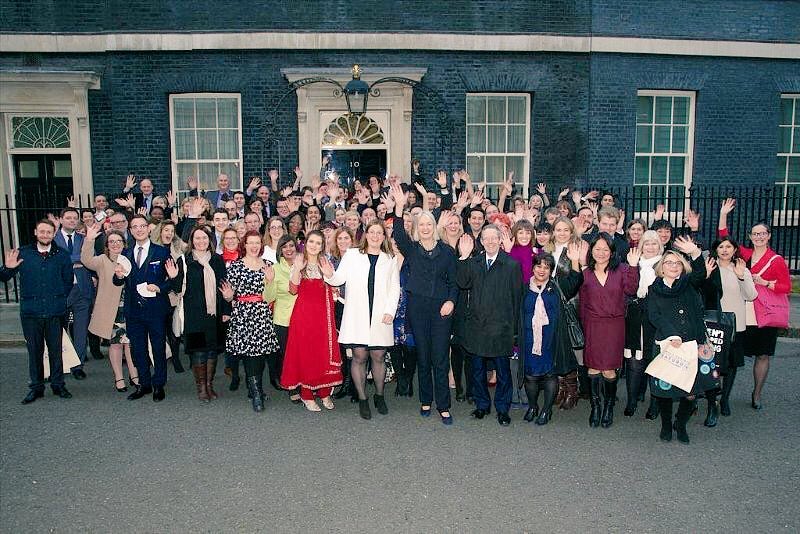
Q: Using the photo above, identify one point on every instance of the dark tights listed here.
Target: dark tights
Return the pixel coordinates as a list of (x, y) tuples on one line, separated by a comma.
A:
[(358, 370), (547, 383), (254, 366), (634, 379)]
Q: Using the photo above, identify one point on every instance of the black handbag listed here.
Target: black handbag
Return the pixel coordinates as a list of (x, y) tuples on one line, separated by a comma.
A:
[(570, 317)]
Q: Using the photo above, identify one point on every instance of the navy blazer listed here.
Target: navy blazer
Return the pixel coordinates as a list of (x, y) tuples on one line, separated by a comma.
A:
[(83, 276), (152, 271), (44, 282)]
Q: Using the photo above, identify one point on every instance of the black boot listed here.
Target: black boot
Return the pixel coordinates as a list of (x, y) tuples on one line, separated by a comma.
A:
[(727, 387), (234, 373), (712, 412), (633, 382), (343, 390), (652, 411), (609, 399), (254, 394), (532, 392), (549, 384), (410, 367), (94, 346), (584, 383), (665, 408), (685, 408), (595, 384)]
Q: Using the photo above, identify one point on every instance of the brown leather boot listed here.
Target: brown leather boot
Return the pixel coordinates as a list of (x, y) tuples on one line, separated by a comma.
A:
[(571, 385), (562, 392), (211, 369), (199, 372)]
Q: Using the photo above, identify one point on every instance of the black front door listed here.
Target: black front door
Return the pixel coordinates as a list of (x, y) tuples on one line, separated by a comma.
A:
[(357, 164), (44, 181)]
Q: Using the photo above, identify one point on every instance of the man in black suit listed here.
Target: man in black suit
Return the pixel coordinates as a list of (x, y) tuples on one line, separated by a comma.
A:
[(495, 283), (143, 199), (146, 308)]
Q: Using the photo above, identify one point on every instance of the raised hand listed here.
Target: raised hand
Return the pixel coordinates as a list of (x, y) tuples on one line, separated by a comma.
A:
[(541, 188), (142, 211), (294, 203), (465, 245), (574, 251), (633, 256), (463, 201), (692, 219), (584, 246), (727, 206), (387, 201), (325, 266), (508, 184), (685, 245), (255, 183), (441, 179), (172, 198), (273, 175), (269, 273), (130, 182), (477, 198), (326, 160), (299, 262), (171, 267), (191, 182), (309, 227), (739, 267), (711, 264), (227, 290), (363, 195), (286, 191), (119, 271), (195, 207), (71, 202), (563, 193), (505, 236), (92, 231), (421, 188), (298, 173), (12, 259), (621, 223), (398, 195), (659, 212), (592, 195), (576, 197), (53, 219)]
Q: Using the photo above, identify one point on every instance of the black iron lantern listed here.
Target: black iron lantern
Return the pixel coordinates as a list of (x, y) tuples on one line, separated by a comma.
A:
[(356, 92)]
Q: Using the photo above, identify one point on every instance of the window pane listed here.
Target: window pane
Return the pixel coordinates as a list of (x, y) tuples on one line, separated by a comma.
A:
[(516, 110), (227, 113), (794, 169), (208, 174), (232, 170), (475, 168), (62, 169), (676, 167), (207, 144), (185, 170), (786, 110), (780, 169), (495, 169), (476, 139), (658, 173), (516, 139), (516, 164), (663, 109), (680, 113), (796, 144), (784, 139), (476, 109), (641, 196), (661, 142), (184, 144), (644, 109), (496, 141), (642, 171), (679, 135), (497, 109), (228, 144), (183, 109), (206, 112), (644, 138)]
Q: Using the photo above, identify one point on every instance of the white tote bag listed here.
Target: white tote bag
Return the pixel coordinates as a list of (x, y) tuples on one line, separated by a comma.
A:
[(69, 357), (675, 365)]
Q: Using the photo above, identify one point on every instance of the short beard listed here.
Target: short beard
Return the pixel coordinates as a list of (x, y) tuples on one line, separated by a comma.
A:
[(39, 242)]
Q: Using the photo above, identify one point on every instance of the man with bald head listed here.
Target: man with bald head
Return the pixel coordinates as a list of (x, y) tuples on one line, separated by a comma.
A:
[(143, 199)]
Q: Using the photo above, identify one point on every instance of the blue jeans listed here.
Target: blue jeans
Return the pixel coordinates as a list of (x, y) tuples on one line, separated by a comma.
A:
[(480, 384)]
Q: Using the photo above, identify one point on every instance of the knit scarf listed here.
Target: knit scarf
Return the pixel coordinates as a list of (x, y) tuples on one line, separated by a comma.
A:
[(229, 256), (209, 280), (540, 319), (646, 275)]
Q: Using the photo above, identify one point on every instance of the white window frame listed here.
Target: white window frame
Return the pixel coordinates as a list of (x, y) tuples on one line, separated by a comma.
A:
[(179, 182), (782, 216), (527, 154), (673, 216)]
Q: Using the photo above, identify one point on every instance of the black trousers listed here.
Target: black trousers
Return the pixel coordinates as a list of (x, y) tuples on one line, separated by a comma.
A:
[(432, 337), (38, 332)]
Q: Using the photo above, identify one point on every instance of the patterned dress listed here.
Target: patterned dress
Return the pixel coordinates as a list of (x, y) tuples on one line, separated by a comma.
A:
[(119, 333), (251, 332)]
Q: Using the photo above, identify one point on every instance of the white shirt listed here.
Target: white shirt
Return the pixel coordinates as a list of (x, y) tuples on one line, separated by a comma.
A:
[(490, 259), (270, 255), (42, 249), (145, 250)]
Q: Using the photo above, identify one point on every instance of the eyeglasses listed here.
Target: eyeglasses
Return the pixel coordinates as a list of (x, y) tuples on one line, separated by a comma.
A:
[(138, 226), (115, 242), (759, 234), (670, 263)]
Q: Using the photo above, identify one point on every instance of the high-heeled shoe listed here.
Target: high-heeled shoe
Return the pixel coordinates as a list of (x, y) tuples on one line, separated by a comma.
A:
[(133, 381), (327, 402), (122, 389), (311, 406)]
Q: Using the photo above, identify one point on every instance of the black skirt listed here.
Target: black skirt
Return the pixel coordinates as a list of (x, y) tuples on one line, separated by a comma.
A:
[(760, 341)]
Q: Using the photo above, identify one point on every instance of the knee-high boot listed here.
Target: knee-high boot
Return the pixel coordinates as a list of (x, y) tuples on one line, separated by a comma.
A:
[(410, 367), (94, 346), (633, 381), (664, 406), (342, 391), (685, 407), (584, 384), (595, 384), (562, 392), (199, 372), (609, 399), (727, 387), (712, 412), (571, 386), (211, 370)]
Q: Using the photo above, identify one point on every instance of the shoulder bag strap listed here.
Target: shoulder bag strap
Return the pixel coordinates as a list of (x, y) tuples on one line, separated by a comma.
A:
[(767, 265)]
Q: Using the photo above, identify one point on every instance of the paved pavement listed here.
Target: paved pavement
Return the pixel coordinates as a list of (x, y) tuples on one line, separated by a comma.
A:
[(99, 463)]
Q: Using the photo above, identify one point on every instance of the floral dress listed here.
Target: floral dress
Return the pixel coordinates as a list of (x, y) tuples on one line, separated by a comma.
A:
[(119, 333), (251, 332)]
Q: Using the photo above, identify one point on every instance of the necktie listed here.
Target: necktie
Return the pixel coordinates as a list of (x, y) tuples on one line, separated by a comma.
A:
[(147, 204), (139, 250), (489, 263), (69, 243)]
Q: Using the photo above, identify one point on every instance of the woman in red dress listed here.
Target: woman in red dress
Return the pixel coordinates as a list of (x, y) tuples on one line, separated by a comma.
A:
[(606, 285), (312, 361)]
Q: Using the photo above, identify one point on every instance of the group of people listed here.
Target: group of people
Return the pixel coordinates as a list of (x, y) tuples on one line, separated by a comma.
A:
[(328, 288)]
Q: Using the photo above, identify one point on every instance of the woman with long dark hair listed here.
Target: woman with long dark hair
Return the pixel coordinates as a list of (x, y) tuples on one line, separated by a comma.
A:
[(606, 286), (370, 275)]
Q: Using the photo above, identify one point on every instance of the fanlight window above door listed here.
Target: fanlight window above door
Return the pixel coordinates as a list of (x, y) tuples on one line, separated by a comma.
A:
[(351, 129), (40, 132)]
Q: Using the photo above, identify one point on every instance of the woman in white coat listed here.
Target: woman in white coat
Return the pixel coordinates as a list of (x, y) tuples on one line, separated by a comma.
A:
[(372, 281)]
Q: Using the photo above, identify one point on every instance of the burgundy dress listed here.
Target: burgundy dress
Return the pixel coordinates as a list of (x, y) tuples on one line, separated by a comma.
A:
[(602, 310)]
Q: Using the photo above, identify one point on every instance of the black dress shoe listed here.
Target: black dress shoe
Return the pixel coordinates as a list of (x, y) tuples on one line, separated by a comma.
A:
[(78, 374), (531, 414), (234, 382), (503, 418), (158, 393), (479, 413), (32, 396), (97, 355), (460, 397), (62, 393), (140, 392)]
